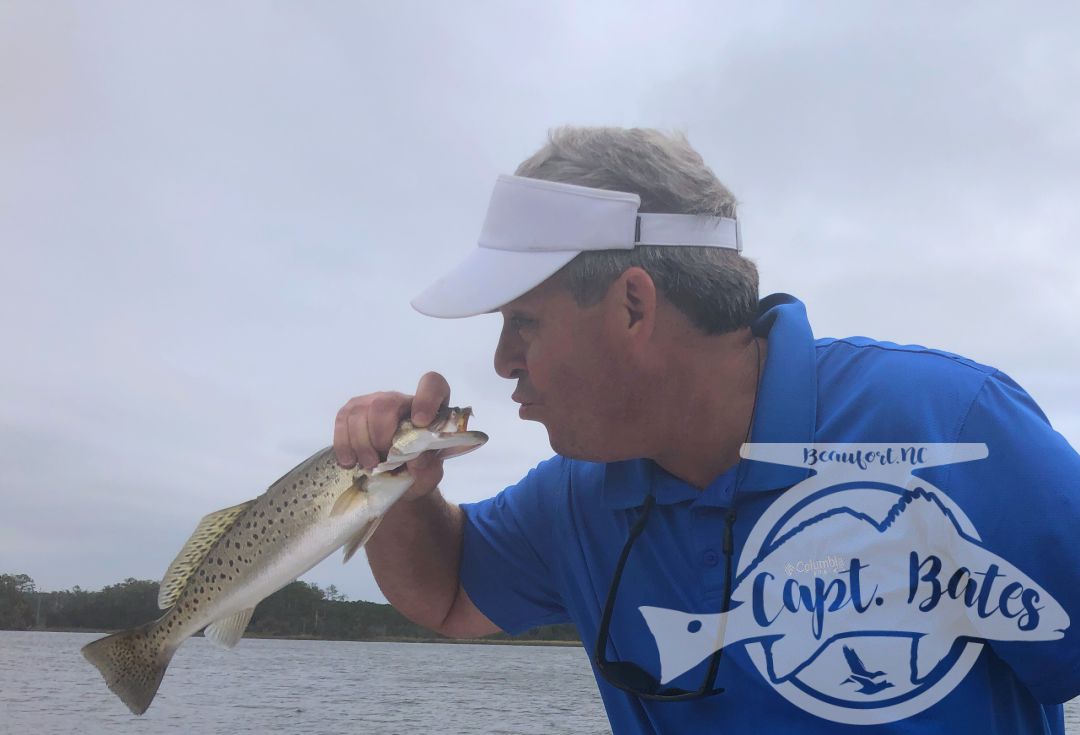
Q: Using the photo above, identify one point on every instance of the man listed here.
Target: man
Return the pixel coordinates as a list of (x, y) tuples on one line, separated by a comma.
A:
[(894, 556)]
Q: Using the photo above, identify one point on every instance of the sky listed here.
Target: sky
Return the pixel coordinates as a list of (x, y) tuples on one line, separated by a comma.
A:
[(213, 216)]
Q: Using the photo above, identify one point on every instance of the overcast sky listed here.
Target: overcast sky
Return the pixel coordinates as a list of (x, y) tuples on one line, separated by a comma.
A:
[(213, 216)]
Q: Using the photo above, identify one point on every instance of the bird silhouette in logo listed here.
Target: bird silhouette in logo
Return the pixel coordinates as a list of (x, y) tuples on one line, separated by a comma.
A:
[(862, 676)]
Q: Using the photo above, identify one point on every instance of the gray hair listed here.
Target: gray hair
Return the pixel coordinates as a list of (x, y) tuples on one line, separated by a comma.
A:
[(716, 288)]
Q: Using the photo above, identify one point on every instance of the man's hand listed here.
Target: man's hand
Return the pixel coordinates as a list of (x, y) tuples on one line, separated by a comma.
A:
[(365, 426)]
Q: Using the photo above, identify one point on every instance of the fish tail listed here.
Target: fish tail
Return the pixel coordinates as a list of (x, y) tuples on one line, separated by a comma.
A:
[(132, 663), (683, 640)]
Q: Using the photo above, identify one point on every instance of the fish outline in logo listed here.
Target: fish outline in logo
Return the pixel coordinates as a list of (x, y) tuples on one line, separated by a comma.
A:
[(953, 615), (916, 507)]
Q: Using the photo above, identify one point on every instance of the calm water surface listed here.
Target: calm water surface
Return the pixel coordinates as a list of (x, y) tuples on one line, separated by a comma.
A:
[(331, 687), (274, 686)]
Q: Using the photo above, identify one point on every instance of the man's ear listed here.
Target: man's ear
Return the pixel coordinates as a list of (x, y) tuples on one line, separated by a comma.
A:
[(637, 294)]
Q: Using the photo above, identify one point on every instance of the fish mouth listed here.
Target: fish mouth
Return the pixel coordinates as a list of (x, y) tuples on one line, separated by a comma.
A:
[(476, 440), (449, 421), (453, 427)]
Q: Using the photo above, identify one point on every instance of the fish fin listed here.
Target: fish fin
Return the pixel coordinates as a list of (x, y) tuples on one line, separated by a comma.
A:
[(210, 529), (227, 632), (386, 466), (132, 663), (393, 454), (361, 538), (352, 495), (324, 455), (680, 649)]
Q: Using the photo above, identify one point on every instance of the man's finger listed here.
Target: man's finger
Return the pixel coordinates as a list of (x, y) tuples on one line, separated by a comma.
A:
[(432, 393), (360, 441), (343, 449), (387, 410), (344, 453)]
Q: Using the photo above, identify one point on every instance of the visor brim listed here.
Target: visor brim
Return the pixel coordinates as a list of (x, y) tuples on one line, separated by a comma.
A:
[(488, 279)]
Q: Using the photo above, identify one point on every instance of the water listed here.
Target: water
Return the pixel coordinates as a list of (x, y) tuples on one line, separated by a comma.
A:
[(327, 687)]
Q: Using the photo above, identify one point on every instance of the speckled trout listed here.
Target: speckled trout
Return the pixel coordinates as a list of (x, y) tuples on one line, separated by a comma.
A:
[(240, 555)]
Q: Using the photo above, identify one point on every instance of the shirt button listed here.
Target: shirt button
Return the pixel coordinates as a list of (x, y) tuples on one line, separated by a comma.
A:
[(710, 558)]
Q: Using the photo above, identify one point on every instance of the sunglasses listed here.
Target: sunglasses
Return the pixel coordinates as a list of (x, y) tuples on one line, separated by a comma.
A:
[(628, 676)]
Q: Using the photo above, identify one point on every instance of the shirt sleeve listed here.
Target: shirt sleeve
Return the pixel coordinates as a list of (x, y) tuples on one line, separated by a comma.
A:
[(1030, 516), (508, 562)]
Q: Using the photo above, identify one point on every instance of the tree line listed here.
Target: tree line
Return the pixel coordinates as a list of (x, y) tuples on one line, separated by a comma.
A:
[(298, 610)]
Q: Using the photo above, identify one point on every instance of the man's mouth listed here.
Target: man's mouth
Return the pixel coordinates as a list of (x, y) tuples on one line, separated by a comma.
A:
[(524, 397)]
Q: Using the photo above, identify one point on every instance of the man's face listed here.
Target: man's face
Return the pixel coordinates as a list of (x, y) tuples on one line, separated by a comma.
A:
[(573, 372)]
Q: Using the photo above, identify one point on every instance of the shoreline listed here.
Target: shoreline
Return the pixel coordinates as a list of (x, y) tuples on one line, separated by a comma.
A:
[(381, 639)]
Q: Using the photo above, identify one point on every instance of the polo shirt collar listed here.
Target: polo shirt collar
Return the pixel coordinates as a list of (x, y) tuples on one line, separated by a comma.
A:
[(785, 413)]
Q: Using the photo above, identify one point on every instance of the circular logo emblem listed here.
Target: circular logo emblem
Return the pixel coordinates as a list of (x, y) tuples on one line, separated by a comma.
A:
[(862, 664)]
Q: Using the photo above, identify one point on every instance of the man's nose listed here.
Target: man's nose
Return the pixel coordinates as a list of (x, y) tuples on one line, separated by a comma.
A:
[(509, 355)]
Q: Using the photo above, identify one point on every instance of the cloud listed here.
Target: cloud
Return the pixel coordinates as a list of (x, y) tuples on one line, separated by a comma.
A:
[(213, 223)]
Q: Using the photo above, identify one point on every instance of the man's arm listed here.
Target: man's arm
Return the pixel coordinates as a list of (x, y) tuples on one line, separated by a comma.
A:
[(417, 549), (1028, 512), (415, 556)]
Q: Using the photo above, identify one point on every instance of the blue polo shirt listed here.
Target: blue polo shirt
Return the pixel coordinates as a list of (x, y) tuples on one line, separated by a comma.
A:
[(976, 633)]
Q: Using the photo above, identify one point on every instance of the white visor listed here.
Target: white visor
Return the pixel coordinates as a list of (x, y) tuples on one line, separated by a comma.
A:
[(534, 227)]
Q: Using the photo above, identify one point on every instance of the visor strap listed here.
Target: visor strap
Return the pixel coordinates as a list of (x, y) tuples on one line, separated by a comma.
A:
[(687, 229)]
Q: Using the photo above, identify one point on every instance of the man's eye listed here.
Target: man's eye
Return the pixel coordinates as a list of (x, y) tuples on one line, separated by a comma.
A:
[(521, 322)]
